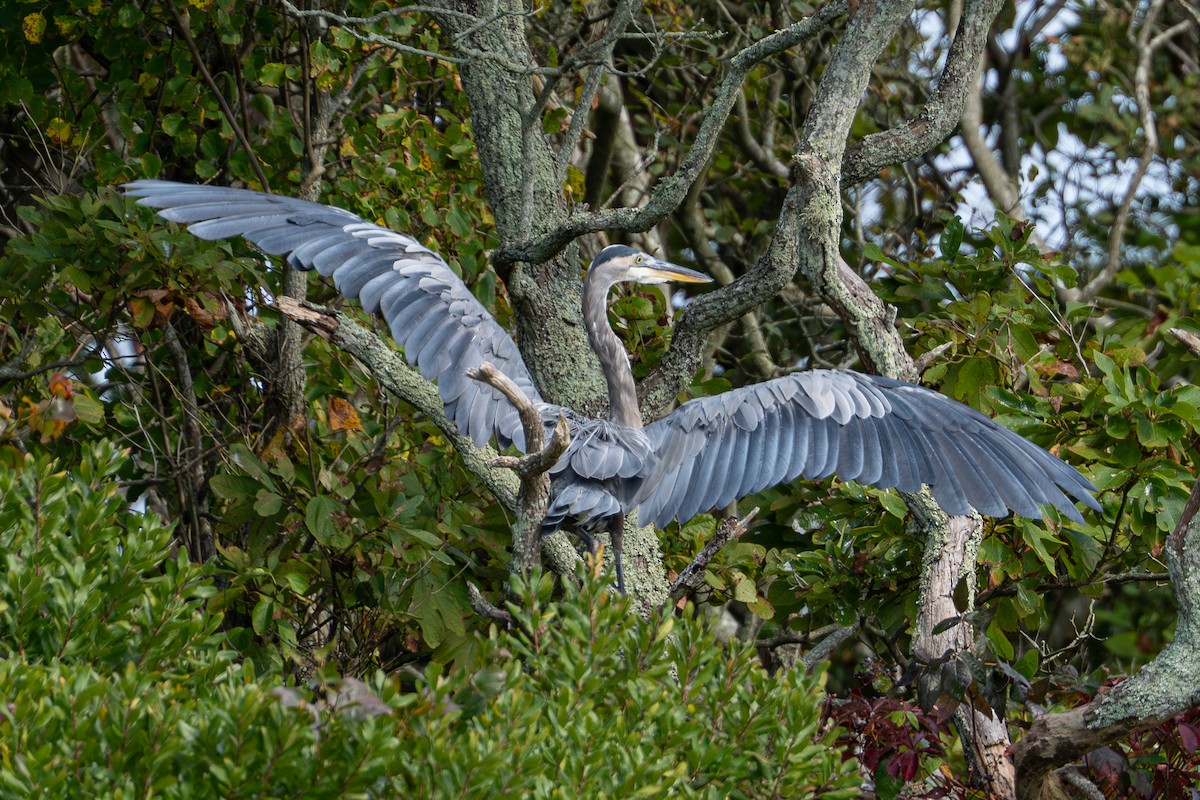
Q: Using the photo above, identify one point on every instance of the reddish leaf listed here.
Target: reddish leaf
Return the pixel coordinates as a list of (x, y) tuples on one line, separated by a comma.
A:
[(904, 766), (1106, 763), (1189, 737)]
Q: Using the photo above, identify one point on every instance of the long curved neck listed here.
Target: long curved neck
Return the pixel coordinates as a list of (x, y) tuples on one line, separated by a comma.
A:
[(622, 394)]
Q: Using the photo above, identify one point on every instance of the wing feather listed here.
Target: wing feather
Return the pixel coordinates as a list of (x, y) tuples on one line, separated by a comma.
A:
[(421, 298), (874, 430)]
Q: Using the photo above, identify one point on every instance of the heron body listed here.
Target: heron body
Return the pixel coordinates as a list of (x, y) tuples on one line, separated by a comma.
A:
[(706, 453)]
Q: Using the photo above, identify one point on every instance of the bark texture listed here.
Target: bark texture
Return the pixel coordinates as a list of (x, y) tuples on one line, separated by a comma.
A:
[(811, 221)]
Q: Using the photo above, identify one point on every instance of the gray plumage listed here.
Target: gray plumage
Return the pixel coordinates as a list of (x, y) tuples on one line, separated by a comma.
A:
[(706, 453), (443, 329)]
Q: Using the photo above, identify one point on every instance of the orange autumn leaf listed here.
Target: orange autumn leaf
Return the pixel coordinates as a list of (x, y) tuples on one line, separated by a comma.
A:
[(61, 386), (343, 416)]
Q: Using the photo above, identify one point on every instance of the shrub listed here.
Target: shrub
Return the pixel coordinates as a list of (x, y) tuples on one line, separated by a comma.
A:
[(119, 683)]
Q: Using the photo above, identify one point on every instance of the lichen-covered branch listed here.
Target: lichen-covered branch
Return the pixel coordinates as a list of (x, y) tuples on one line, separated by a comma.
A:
[(484, 608), (1160, 690), (812, 214), (671, 190), (941, 114), (390, 369), (810, 234), (692, 576)]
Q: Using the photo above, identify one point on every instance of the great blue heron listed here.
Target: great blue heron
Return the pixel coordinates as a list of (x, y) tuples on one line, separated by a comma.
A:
[(706, 453)]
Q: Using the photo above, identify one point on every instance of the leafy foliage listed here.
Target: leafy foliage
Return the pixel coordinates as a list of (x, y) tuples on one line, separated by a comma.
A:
[(340, 543), (119, 683)]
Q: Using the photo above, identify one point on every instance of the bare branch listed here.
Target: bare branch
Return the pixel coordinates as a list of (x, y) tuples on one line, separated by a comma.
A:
[(193, 480), (485, 609), (764, 158), (534, 493), (1191, 340), (830, 643), (925, 360), (1075, 779), (728, 531), (1000, 187), (600, 53)]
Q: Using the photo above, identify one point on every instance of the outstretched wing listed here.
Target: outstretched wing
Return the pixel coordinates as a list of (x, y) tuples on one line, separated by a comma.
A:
[(864, 428), (443, 329)]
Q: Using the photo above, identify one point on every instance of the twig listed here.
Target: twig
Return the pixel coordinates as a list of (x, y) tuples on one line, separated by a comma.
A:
[(195, 480), (829, 644), (794, 637), (925, 360), (690, 577), (484, 608), (469, 55), (539, 461), (230, 117), (538, 451), (1074, 777), (1190, 340)]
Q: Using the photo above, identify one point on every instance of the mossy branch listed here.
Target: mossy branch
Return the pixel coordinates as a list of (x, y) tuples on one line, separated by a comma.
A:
[(405, 382)]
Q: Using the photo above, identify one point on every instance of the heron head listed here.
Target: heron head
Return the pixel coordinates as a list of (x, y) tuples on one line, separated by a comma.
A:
[(619, 262)]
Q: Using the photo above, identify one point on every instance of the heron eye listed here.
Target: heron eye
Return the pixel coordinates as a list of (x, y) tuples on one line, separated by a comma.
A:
[(640, 259)]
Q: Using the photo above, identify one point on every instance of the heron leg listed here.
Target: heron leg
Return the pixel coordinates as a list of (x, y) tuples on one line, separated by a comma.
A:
[(588, 540), (616, 533)]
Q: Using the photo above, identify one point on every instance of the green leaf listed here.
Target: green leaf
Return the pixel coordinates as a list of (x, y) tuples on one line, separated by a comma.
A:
[(951, 238), (260, 618), (297, 582), (267, 503), (1027, 665), (319, 519), (1000, 644), (744, 590), (1038, 539), (233, 487), (88, 410), (174, 124), (892, 503), (424, 537)]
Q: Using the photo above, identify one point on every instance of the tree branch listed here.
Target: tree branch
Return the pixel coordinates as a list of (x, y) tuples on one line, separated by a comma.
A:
[(390, 369), (1190, 340), (532, 468), (671, 190), (484, 608), (809, 234), (191, 459), (729, 530), (941, 114), (1160, 690)]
